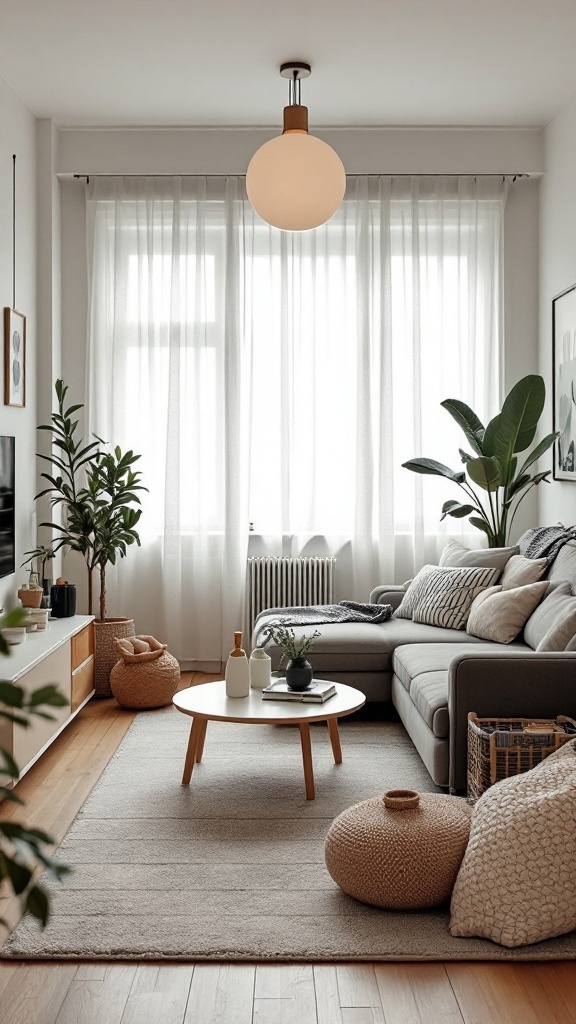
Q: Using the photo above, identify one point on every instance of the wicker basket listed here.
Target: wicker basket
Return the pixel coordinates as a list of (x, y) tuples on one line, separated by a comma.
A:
[(105, 657), (146, 676), (501, 747)]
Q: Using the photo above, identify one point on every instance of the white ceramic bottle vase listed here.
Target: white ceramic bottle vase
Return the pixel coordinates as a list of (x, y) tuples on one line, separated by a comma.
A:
[(260, 669), (237, 673)]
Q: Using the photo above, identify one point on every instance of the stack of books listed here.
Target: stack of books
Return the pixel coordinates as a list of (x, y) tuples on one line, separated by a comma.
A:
[(317, 692)]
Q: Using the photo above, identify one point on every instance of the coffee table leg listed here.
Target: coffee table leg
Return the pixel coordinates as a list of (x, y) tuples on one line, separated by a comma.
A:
[(307, 760), (332, 724), (201, 738), (195, 733)]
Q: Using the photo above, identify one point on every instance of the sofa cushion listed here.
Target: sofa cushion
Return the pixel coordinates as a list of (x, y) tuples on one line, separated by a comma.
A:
[(423, 671), (444, 596), (564, 565), (406, 607), (499, 615), (546, 615), (519, 571), (364, 646), (457, 556)]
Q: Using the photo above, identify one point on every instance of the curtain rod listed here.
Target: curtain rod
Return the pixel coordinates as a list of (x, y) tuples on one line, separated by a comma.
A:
[(404, 174)]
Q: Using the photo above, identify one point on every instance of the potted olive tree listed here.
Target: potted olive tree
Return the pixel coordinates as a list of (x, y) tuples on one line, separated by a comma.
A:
[(97, 488)]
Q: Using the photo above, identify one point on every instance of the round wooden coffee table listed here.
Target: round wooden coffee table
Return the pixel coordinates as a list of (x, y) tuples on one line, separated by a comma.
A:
[(208, 703)]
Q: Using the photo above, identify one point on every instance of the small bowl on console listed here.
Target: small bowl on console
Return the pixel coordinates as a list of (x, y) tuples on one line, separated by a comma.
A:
[(14, 634)]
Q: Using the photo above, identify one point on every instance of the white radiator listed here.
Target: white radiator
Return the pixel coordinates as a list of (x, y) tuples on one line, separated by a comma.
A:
[(282, 582)]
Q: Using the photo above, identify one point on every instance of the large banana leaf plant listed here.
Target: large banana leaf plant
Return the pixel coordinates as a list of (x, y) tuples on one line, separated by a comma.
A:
[(493, 465)]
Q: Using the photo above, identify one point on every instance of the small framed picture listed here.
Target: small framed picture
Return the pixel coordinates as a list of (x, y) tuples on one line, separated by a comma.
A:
[(14, 357)]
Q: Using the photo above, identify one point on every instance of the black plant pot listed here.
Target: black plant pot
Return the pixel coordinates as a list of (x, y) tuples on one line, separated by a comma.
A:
[(299, 674)]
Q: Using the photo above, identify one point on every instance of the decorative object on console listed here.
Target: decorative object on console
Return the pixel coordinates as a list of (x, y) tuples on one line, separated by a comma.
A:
[(63, 599), (564, 383), (146, 675), (260, 669), (499, 748), (401, 851), (493, 466), (43, 555), (295, 181), (298, 669), (237, 672), (499, 615), (516, 882), (30, 594), (98, 490)]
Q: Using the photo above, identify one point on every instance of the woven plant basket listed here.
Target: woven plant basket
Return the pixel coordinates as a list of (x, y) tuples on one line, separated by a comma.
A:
[(146, 676), (105, 657)]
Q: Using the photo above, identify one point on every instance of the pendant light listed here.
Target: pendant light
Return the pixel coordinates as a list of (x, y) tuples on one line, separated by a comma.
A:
[(295, 182)]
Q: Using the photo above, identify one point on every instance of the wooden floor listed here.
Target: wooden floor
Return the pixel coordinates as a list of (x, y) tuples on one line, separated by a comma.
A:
[(134, 993)]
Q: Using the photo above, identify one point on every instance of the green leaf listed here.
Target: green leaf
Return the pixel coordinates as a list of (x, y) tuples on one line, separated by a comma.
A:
[(485, 472), (519, 419), (430, 467), (12, 696), (481, 524), (10, 767), (539, 450), (37, 905), (18, 874), (456, 509), (467, 419)]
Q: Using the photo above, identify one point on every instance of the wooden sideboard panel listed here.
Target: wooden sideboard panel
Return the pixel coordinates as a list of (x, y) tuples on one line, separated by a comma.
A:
[(82, 646), (55, 668), (82, 683)]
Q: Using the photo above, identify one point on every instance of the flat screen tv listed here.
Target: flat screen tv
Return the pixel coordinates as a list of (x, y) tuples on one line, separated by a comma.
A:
[(7, 538)]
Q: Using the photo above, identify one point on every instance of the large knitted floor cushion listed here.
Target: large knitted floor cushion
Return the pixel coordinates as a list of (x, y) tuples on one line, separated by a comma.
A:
[(401, 851), (517, 882)]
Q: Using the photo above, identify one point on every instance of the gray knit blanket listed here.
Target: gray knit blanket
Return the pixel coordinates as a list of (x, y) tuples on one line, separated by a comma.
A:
[(546, 541), (313, 615)]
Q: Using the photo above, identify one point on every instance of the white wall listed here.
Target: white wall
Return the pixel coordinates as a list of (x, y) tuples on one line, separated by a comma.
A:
[(557, 502), (18, 135)]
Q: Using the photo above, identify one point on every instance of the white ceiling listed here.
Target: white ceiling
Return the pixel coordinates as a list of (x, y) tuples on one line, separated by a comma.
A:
[(214, 62)]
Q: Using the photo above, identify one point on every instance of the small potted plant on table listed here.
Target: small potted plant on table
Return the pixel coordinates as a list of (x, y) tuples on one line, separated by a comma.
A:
[(298, 668)]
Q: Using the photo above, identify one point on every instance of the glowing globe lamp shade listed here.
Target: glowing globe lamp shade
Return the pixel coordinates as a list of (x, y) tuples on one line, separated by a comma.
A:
[(295, 182)]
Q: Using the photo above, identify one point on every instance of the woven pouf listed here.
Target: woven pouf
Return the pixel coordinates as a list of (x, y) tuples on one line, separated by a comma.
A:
[(146, 676), (401, 851)]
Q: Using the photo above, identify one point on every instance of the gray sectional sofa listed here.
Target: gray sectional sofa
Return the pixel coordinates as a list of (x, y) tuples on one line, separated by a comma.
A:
[(435, 676)]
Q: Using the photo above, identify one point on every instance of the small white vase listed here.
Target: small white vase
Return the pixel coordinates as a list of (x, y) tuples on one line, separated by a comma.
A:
[(237, 674), (260, 669)]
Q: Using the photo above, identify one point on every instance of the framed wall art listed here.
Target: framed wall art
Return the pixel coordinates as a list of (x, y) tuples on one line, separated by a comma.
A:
[(14, 357), (564, 383)]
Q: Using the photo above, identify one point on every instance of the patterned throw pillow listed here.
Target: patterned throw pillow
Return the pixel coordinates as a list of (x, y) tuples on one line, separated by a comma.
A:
[(517, 883), (406, 606), (443, 597)]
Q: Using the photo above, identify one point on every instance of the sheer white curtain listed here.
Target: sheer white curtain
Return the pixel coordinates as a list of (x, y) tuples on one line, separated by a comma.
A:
[(280, 380)]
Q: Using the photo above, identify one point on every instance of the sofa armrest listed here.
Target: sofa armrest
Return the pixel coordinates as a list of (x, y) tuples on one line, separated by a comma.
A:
[(508, 684), (388, 593)]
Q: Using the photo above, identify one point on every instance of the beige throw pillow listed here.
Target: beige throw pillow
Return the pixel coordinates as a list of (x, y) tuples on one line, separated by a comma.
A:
[(552, 625), (444, 596), (455, 555), (517, 882), (498, 614), (520, 571)]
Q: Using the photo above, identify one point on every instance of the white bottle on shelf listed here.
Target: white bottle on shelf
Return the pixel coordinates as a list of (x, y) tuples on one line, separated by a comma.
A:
[(260, 669), (237, 674)]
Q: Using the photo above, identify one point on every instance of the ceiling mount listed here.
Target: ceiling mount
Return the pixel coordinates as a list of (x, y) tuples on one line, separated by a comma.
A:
[(295, 69)]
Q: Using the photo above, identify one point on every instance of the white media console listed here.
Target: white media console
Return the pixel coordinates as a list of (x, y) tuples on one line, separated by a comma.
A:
[(62, 654)]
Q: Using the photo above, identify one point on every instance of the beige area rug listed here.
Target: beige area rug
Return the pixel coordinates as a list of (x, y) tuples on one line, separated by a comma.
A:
[(233, 867)]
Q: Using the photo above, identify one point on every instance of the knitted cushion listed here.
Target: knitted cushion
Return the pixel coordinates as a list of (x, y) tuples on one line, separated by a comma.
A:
[(517, 883)]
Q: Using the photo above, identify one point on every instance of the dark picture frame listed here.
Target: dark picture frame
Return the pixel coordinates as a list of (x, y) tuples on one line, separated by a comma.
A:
[(14, 358), (564, 383)]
